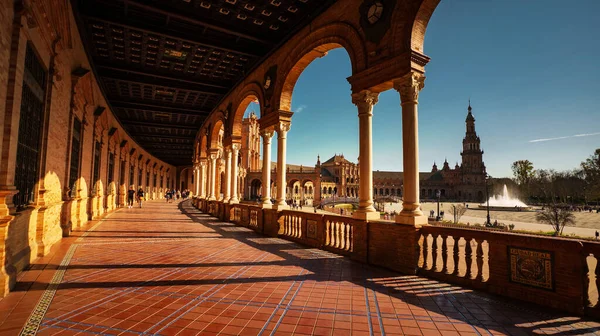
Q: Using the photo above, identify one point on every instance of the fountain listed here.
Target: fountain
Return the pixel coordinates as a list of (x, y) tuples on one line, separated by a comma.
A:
[(505, 202)]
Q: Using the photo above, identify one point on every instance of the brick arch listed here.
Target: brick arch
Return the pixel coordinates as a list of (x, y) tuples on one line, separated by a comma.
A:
[(203, 145), (316, 44), (420, 23), (250, 92), (214, 130)]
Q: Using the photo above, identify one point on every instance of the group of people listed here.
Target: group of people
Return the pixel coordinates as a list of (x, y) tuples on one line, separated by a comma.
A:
[(131, 194), (139, 196), (171, 194)]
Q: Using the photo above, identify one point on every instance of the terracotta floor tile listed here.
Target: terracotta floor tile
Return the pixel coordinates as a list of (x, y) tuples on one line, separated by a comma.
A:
[(171, 270)]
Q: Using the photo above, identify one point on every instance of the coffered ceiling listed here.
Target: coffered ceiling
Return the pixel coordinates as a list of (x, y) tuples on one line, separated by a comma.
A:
[(165, 64)]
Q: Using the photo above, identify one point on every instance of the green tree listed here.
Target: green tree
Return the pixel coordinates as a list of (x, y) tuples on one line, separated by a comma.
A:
[(556, 216), (591, 171), (523, 173)]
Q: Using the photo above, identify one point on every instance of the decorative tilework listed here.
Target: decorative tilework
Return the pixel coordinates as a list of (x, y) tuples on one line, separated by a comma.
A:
[(35, 319)]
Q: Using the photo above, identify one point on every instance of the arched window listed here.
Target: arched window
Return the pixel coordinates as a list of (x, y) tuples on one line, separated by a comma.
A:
[(399, 192), (296, 190), (310, 190), (380, 191), (443, 192), (374, 191), (387, 191), (330, 191), (324, 190)]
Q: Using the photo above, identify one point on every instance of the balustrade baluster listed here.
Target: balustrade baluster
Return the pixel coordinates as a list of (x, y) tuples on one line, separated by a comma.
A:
[(337, 234), (586, 281), (299, 227), (468, 258), (349, 238), (479, 256), (455, 257), (295, 223), (342, 235), (434, 253), (425, 251), (327, 231), (444, 254)]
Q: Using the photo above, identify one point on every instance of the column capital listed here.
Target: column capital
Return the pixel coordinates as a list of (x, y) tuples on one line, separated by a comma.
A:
[(365, 97), (409, 86), (214, 153), (283, 127), (236, 146), (202, 161), (267, 134)]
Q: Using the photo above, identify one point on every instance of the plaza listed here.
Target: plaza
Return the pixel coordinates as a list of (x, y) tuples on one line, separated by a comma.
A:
[(105, 103)]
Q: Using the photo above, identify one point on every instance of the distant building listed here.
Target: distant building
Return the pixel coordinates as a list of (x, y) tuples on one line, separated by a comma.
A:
[(339, 177)]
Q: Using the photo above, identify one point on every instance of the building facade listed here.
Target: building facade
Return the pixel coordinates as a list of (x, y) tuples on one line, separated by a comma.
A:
[(339, 177)]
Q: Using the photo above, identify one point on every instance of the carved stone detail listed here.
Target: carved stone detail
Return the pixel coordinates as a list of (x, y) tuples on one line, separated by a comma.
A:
[(409, 86)]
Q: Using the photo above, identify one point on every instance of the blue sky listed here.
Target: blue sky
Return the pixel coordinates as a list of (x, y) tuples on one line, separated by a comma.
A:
[(530, 68)]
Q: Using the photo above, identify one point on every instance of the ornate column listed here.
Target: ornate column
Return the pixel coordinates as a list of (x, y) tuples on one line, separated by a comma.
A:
[(409, 87), (227, 192), (197, 180), (365, 100), (235, 149), (282, 129), (213, 155), (203, 177), (266, 169)]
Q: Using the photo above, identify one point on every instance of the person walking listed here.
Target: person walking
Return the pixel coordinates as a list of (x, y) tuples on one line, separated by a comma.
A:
[(130, 195), (140, 196)]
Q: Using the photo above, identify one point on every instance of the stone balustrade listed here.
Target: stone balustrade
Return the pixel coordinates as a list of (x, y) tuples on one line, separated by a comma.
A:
[(554, 272)]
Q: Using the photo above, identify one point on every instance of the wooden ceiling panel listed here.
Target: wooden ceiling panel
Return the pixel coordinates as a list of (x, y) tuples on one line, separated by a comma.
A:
[(164, 65)]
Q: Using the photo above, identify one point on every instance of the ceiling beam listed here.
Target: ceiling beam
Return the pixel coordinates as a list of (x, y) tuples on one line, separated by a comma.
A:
[(127, 122), (150, 80), (108, 67), (162, 136), (157, 108), (197, 22), (177, 36)]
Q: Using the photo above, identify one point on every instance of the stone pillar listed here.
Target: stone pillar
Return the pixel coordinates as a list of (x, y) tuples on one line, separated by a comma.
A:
[(227, 192), (212, 175), (235, 149), (365, 100), (203, 178), (282, 130), (266, 169), (409, 87), (197, 180)]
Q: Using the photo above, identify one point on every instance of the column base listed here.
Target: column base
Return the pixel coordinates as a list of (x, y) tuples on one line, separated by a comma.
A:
[(280, 207), (366, 215), (226, 200), (266, 204), (211, 198), (234, 201), (409, 219)]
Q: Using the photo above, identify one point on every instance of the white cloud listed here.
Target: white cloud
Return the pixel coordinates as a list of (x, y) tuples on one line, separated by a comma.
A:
[(565, 137), (300, 108)]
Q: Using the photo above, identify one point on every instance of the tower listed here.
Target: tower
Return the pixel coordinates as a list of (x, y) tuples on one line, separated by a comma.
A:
[(472, 155)]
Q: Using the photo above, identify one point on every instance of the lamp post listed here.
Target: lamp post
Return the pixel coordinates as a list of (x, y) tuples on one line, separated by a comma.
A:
[(487, 195), (438, 194)]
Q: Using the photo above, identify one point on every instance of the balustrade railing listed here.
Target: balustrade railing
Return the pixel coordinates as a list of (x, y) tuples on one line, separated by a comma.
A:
[(591, 279), (448, 253), (292, 225), (339, 233)]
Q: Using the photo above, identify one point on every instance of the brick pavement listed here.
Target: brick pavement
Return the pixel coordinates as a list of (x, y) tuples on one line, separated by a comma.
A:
[(168, 269)]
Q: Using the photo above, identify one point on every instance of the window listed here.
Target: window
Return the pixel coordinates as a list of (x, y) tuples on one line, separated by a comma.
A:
[(97, 156), (111, 167), (30, 124), (131, 175), (75, 150), (122, 173)]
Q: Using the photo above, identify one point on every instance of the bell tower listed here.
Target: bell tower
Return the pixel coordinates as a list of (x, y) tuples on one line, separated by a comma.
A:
[(472, 155)]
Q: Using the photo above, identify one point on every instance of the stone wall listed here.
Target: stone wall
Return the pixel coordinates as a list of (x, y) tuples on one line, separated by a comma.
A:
[(72, 92)]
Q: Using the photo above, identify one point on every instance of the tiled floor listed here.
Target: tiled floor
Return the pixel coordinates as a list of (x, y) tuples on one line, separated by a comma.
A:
[(168, 269)]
